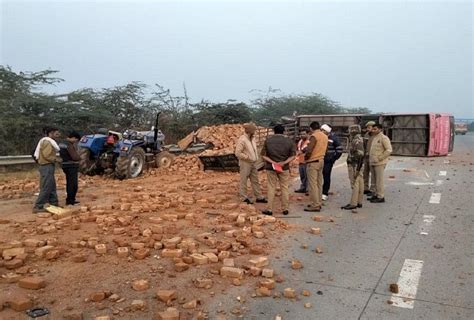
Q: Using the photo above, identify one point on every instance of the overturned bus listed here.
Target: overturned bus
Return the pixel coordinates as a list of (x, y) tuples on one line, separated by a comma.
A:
[(421, 135)]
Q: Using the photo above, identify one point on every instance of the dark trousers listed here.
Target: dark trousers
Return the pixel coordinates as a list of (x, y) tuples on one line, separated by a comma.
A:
[(47, 187), (303, 177), (327, 169), (71, 183)]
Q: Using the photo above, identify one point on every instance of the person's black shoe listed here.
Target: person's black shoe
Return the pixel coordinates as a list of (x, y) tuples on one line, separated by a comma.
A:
[(359, 205), (300, 191), (248, 201), (349, 207), (267, 212), (378, 200), (285, 212), (261, 200), (368, 192), (372, 198), (312, 209)]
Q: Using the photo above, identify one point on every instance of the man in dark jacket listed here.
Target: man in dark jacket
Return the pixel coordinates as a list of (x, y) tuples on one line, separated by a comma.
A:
[(70, 165), (333, 152)]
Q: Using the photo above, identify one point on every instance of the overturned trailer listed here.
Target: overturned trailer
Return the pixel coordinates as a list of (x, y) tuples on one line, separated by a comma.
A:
[(422, 135)]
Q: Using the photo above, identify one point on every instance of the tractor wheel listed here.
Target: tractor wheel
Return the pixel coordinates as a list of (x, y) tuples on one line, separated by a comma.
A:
[(164, 159), (132, 165), (85, 162)]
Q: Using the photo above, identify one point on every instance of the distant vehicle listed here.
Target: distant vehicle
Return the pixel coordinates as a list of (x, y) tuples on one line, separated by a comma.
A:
[(422, 135), (460, 128)]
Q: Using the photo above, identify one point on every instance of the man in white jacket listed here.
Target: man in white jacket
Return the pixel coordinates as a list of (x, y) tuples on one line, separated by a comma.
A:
[(246, 152)]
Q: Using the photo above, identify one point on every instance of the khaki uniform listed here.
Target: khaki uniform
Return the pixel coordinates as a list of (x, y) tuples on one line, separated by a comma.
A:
[(314, 166), (368, 138), (355, 164), (380, 150), (283, 178), (246, 152)]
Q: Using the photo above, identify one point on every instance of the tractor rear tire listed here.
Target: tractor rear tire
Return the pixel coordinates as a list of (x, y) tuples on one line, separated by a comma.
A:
[(130, 166), (85, 162), (164, 159)]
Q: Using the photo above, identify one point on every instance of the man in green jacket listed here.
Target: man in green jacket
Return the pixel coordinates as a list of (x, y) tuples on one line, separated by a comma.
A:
[(45, 155)]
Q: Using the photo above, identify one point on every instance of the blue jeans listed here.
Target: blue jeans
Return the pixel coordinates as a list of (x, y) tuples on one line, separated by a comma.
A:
[(303, 177)]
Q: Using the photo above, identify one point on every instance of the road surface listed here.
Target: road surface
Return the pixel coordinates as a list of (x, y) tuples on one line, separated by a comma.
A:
[(421, 238)]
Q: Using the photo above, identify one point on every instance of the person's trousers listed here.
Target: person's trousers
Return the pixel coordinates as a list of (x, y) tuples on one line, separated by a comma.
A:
[(47, 187), (376, 172), (315, 183), (350, 174), (357, 189), (327, 169), (248, 170), (303, 177), (367, 177), (272, 179), (71, 183)]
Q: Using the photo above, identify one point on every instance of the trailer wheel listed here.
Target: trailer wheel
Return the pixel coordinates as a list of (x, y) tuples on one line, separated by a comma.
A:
[(164, 159), (85, 163)]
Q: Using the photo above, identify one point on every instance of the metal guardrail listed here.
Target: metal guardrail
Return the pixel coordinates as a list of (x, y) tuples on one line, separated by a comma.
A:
[(15, 160)]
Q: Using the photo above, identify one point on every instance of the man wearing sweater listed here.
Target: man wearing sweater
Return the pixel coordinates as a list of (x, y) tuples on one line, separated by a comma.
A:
[(70, 165), (318, 143), (45, 155)]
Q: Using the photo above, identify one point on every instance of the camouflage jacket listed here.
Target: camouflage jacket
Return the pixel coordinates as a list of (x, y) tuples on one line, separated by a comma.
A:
[(356, 151)]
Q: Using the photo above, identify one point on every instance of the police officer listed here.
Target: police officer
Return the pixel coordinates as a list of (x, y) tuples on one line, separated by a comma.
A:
[(368, 137), (355, 163)]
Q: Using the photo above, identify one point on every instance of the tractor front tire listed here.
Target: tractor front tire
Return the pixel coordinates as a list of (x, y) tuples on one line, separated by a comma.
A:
[(85, 162), (130, 166), (164, 159)]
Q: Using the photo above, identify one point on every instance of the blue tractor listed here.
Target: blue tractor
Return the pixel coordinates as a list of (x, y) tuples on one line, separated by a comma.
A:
[(125, 155)]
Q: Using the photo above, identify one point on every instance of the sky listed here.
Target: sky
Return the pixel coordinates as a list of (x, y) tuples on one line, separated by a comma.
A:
[(388, 56)]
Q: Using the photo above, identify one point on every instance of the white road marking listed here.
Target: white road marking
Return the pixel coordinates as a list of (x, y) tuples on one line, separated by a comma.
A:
[(416, 183), (435, 198), (443, 173), (426, 174), (446, 161), (408, 284), (438, 183), (426, 226)]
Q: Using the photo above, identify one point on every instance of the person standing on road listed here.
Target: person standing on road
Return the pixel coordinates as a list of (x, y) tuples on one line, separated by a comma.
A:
[(246, 152), (70, 165), (45, 155), (380, 150), (278, 151), (333, 153), (369, 186), (300, 152), (355, 163), (318, 143)]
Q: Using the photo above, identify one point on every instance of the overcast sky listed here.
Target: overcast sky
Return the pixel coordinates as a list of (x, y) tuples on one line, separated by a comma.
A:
[(389, 56)]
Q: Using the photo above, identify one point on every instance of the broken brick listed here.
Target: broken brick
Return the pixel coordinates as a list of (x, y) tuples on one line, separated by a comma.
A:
[(232, 272), (166, 295), (140, 285), (33, 283)]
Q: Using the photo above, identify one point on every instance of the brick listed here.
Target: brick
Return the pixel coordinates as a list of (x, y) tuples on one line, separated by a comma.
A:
[(229, 262), (78, 258), (263, 292), (316, 231), (181, 266), (306, 293), (223, 255), (97, 296), (191, 304), (140, 285), (172, 253), (232, 272), (166, 295), (296, 264), (52, 254), (13, 252), (230, 233), (318, 250), (259, 234), (118, 231), (141, 254), (137, 305), (212, 257), (187, 260), (33, 283), (259, 262), (257, 250), (103, 318), (101, 248), (157, 245), (267, 273), (122, 252), (203, 283), (32, 243), (171, 243), (199, 258), (267, 283), (20, 302), (170, 217), (318, 218), (169, 314), (40, 252), (137, 245), (73, 315), (254, 271), (13, 264), (289, 293)]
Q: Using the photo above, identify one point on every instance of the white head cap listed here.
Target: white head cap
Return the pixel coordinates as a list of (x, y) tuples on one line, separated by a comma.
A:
[(326, 128)]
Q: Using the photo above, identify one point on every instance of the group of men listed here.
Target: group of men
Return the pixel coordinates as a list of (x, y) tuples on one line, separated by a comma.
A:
[(316, 152), (47, 153)]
